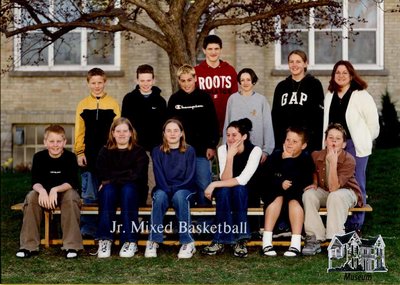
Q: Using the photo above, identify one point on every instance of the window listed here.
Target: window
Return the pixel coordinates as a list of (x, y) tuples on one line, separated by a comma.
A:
[(28, 139), (80, 49), (364, 50)]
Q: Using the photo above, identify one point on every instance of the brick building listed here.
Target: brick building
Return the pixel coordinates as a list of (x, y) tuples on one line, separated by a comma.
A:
[(34, 96)]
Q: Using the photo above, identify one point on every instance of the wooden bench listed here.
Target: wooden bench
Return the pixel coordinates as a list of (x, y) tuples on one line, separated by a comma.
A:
[(146, 211)]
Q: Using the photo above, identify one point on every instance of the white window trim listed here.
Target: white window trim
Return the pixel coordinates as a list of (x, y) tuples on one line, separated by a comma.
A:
[(279, 65), (83, 66)]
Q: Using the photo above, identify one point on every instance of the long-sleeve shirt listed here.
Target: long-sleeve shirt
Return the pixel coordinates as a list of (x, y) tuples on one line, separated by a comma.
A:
[(197, 113), (346, 165), (122, 166), (51, 172), (147, 113), (257, 109), (244, 164), (362, 120), (175, 170), (299, 104), (299, 170), (93, 120), (219, 83)]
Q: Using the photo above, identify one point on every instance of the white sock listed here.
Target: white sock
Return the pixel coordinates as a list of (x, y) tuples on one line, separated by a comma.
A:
[(267, 239), (296, 241)]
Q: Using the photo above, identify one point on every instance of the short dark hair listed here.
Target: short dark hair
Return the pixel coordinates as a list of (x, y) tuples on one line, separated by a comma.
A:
[(144, 68), (301, 131), (96, 72), (250, 71), (212, 39)]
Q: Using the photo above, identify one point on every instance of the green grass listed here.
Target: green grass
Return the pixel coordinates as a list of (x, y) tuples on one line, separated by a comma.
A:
[(51, 267)]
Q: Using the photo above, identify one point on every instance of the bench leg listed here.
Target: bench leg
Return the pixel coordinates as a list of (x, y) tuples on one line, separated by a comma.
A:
[(47, 228)]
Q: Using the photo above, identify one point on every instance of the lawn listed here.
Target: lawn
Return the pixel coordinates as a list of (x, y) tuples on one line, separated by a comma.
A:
[(50, 266)]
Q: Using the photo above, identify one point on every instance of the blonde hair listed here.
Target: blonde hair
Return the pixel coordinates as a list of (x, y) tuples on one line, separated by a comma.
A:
[(54, 128), (112, 143), (186, 69)]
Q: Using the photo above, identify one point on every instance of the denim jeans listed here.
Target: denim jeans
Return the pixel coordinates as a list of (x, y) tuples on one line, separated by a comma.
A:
[(356, 221), (203, 179), (231, 214), (89, 196), (127, 197), (180, 201)]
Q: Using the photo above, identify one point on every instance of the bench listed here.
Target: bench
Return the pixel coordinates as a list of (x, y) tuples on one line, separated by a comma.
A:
[(146, 211)]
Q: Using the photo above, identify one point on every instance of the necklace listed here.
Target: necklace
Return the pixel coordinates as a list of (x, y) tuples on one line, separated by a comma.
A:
[(245, 100), (298, 86)]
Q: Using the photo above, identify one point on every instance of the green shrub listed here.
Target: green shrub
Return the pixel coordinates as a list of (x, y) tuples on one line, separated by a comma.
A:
[(389, 135)]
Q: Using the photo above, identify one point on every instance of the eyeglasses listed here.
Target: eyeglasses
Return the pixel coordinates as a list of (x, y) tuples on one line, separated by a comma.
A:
[(344, 73)]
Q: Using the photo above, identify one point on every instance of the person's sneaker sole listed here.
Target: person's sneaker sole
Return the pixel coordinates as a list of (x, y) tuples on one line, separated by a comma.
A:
[(311, 253), (187, 256), (241, 255), (213, 252)]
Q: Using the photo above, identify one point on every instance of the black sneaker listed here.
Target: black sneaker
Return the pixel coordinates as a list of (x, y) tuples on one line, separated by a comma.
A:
[(25, 253), (213, 249), (71, 254), (240, 249)]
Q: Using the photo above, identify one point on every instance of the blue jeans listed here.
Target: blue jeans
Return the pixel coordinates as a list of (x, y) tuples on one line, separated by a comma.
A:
[(89, 196), (356, 221), (203, 179), (231, 214), (181, 203), (128, 197)]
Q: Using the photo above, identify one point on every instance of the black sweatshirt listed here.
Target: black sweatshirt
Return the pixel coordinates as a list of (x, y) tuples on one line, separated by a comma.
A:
[(197, 113)]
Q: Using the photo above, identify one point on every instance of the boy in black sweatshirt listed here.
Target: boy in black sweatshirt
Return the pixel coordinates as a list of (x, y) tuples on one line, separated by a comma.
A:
[(195, 109)]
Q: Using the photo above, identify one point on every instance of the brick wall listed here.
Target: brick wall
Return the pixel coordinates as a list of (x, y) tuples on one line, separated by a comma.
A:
[(35, 99)]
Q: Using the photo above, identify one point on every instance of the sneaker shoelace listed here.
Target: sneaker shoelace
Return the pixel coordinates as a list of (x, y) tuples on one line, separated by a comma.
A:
[(104, 246), (126, 247)]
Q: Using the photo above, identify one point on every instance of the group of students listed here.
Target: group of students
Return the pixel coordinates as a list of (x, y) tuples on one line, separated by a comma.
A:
[(160, 154)]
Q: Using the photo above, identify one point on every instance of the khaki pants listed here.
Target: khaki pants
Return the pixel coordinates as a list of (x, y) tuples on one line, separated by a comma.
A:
[(337, 204), (69, 202)]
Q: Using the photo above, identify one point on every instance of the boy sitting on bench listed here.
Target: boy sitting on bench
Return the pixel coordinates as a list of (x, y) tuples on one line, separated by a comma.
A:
[(54, 180), (334, 186)]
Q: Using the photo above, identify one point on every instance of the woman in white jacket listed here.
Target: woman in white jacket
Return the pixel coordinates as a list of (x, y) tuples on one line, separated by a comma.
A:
[(349, 104)]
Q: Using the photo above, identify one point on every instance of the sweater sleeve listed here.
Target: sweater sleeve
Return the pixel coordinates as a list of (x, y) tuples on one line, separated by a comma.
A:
[(371, 115), (269, 139), (227, 117), (276, 116), (159, 175), (79, 147), (190, 161), (212, 123), (251, 166), (102, 169)]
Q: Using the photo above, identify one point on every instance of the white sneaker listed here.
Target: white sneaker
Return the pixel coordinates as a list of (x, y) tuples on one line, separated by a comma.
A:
[(128, 249), (187, 250), (104, 250), (151, 249)]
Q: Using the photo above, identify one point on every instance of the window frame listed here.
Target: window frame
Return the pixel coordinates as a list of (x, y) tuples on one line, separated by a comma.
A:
[(379, 40), (23, 152), (50, 66)]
